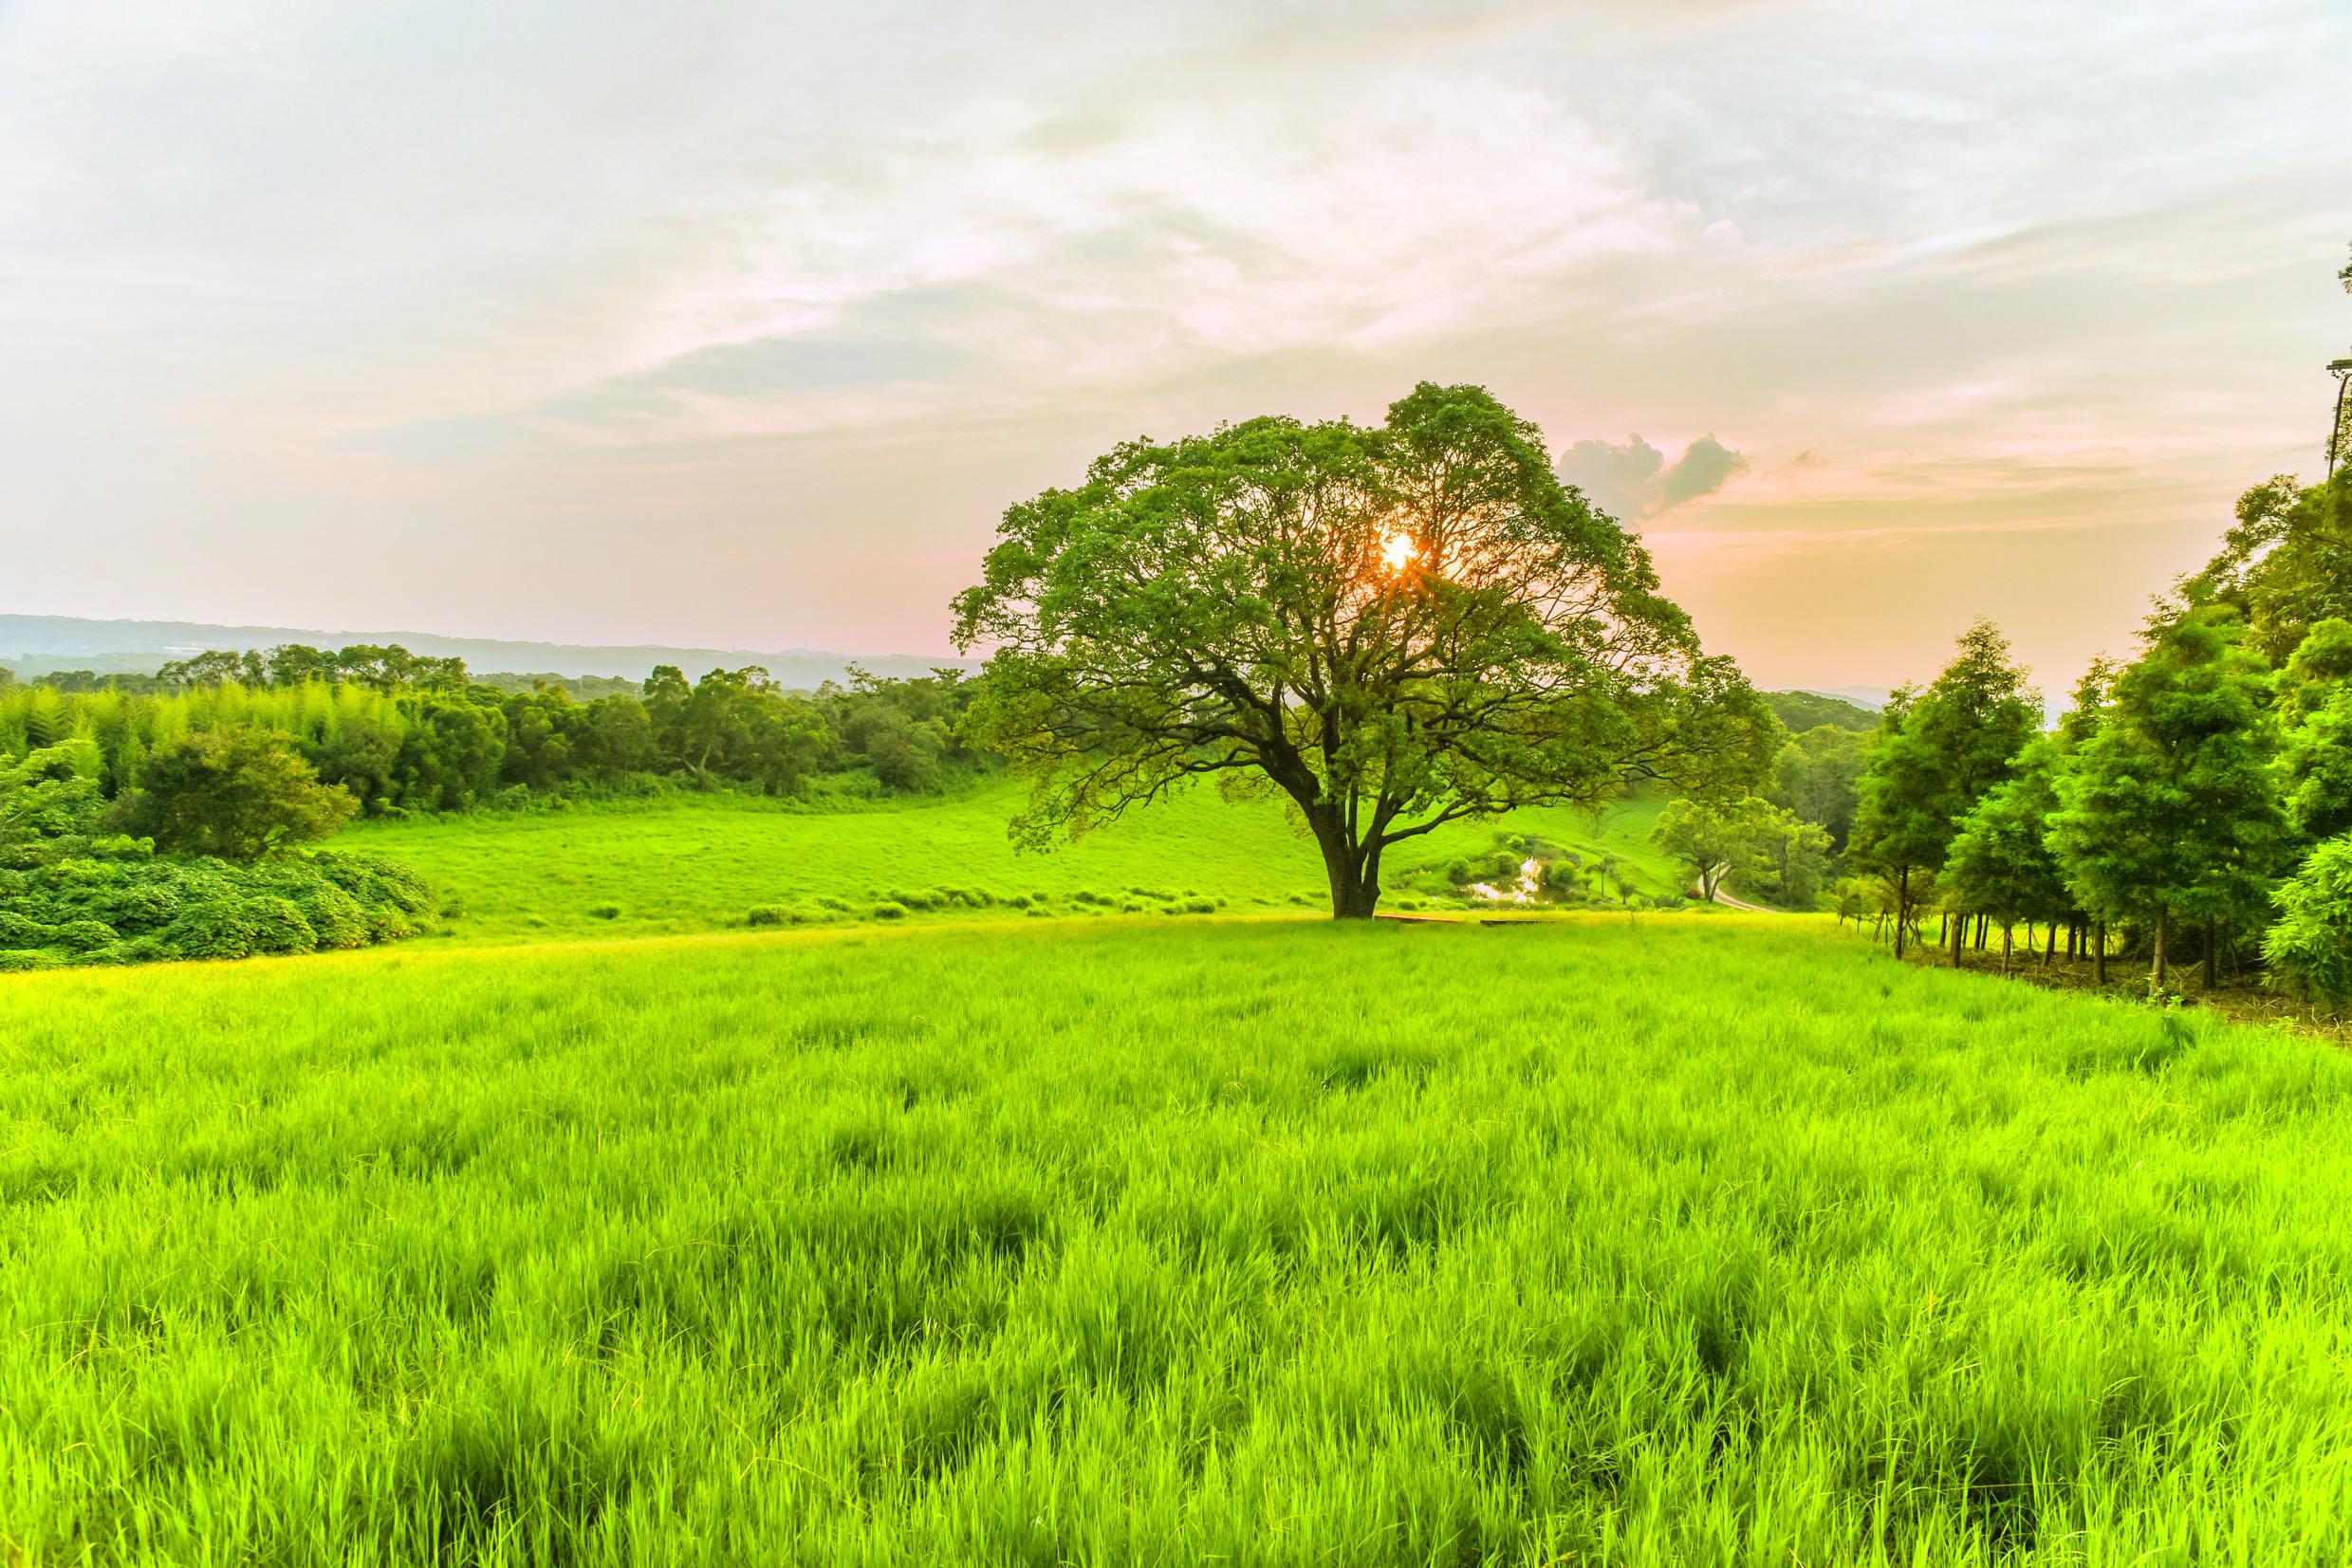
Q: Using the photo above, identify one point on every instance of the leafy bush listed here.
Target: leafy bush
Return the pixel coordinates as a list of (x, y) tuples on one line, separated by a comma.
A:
[(604, 912), (335, 916), (129, 907), (2309, 950), (279, 927), (773, 914), (212, 927), (889, 911)]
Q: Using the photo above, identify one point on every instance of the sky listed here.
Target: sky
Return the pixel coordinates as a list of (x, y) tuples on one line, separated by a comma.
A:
[(740, 325)]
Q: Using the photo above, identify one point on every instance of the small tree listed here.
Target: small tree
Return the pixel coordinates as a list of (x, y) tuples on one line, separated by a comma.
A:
[(2309, 948), (1789, 855), (234, 793), (1938, 752), (1391, 628), (2000, 862), (1785, 857), (49, 803), (1709, 839)]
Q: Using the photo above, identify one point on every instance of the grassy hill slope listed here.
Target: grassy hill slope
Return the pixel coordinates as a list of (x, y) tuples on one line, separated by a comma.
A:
[(1252, 1241), (687, 863)]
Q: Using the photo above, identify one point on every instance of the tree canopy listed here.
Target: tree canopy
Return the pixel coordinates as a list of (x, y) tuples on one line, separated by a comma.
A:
[(234, 793), (2169, 808), (1393, 627)]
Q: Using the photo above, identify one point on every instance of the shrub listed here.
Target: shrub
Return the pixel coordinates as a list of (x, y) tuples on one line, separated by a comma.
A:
[(20, 929), (2309, 950), (213, 928), (84, 935), (1199, 906), (133, 907), (279, 927), (888, 910), (604, 912), (334, 915), (836, 905), (772, 915)]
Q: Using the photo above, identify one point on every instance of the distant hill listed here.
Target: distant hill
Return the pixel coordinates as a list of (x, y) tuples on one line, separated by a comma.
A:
[(1803, 711), (1869, 698), (33, 645)]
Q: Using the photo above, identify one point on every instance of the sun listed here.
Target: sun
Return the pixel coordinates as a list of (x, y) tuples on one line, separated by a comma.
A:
[(1399, 551)]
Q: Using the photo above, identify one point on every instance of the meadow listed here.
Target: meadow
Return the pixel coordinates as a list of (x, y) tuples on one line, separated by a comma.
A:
[(694, 862), (1637, 1240)]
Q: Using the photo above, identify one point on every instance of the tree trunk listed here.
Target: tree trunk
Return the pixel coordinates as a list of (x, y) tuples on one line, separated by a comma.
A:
[(2212, 955), (1903, 909), (1355, 875), (2050, 949), (2156, 969), (2099, 954), (1959, 936), (2006, 930)]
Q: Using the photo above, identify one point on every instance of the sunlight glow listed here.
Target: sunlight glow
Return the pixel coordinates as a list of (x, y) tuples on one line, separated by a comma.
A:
[(1399, 551)]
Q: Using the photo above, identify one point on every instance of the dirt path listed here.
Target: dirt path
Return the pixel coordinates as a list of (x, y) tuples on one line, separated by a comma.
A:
[(1729, 902)]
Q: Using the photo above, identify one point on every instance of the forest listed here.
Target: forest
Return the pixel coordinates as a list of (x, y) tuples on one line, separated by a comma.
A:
[(156, 817), (2193, 804)]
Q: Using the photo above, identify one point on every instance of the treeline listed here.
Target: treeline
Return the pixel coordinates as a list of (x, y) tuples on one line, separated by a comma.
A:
[(403, 733), (2193, 805)]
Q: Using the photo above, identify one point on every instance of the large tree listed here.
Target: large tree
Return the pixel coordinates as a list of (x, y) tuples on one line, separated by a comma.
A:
[(2286, 564), (1392, 627), (2315, 712), (2170, 810)]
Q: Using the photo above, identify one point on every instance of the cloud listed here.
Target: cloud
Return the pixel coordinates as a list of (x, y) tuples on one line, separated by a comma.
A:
[(1635, 482)]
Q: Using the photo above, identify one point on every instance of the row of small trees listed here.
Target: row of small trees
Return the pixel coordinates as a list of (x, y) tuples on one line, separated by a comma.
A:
[(2197, 801), (400, 733)]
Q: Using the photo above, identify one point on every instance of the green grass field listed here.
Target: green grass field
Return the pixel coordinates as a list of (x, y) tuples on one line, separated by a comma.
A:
[(689, 863), (1655, 1240)]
